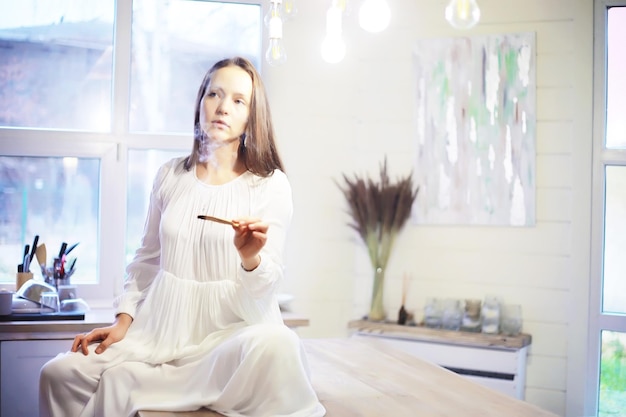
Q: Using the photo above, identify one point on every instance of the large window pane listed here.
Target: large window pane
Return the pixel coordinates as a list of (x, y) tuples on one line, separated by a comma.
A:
[(56, 63), (57, 60), (614, 288), (55, 198), (616, 68), (142, 167), (612, 374), (174, 43)]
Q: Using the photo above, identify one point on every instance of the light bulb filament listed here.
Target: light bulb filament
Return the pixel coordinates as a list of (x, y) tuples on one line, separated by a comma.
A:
[(462, 9), (289, 6), (462, 14)]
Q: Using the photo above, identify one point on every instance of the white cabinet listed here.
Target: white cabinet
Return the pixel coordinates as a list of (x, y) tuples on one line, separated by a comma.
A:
[(495, 361), (20, 362)]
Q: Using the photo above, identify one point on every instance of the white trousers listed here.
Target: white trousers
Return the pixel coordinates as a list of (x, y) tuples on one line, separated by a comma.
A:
[(258, 371)]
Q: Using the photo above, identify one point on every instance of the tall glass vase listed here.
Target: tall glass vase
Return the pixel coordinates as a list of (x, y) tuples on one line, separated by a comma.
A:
[(377, 310)]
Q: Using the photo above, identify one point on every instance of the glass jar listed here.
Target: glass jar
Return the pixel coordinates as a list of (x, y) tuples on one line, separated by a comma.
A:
[(452, 315), (511, 321), (490, 315), (471, 316), (432, 313)]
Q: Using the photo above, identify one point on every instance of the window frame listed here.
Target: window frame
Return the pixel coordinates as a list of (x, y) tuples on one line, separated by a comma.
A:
[(602, 157), (112, 149)]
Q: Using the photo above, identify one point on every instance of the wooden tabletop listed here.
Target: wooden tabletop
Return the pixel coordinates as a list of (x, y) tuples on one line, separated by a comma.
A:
[(366, 378)]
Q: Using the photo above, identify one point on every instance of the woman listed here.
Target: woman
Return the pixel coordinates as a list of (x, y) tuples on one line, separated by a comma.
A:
[(198, 323)]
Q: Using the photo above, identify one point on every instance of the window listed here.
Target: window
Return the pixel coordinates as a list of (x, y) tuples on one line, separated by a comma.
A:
[(94, 96), (608, 283)]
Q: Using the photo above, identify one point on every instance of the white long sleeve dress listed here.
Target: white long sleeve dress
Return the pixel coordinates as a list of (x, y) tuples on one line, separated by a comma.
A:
[(205, 331)]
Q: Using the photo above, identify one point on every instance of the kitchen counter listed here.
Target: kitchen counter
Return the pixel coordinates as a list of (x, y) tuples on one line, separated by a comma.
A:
[(67, 329)]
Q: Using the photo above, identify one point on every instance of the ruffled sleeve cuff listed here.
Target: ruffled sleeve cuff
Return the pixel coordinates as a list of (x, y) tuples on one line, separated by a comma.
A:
[(262, 280), (127, 303)]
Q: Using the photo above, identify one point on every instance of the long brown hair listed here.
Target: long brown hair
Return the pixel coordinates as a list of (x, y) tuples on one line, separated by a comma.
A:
[(257, 148)]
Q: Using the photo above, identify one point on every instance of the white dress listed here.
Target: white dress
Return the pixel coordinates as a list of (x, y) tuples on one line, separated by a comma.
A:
[(205, 331)]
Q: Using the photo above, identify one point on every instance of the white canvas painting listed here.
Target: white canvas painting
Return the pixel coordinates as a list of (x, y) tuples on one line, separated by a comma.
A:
[(475, 122)]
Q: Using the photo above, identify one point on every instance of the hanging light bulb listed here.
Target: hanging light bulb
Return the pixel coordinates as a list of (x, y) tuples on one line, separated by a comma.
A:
[(333, 48), (462, 14), (275, 10), (374, 15), (290, 9), (344, 6), (275, 54)]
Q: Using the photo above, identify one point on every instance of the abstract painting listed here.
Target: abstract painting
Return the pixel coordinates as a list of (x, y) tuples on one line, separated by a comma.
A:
[(475, 120)]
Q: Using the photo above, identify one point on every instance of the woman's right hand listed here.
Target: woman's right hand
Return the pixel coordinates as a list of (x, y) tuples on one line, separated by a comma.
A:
[(105, 335)]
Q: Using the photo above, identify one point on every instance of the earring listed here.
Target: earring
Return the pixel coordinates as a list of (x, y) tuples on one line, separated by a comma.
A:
[(243, 140)]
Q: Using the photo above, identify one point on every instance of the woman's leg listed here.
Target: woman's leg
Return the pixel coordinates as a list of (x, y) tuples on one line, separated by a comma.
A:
[(263, 371), (68, 381), (257, 371)]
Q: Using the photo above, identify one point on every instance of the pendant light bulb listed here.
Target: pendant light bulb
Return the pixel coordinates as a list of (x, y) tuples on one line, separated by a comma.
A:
[(290, 9), (275, 10), (333, 48), (462, 14), (374, 15), (275, 54)]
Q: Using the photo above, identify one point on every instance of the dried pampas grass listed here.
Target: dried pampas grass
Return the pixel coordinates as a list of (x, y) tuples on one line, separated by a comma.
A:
[(379, 210)]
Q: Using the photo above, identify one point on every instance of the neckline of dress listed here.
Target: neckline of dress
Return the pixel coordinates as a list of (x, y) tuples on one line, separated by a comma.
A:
[(235, 179)]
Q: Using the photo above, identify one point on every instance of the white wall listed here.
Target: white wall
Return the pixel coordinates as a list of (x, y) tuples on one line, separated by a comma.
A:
[(343, 118)]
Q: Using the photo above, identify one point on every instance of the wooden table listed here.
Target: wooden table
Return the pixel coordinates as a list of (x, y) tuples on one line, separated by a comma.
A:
[(365, 378)]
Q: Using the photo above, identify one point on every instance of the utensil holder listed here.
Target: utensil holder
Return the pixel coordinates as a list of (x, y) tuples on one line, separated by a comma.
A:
[(21, 278)]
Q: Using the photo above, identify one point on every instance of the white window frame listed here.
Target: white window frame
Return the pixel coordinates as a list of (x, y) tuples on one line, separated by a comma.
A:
[(112, 150), (602, 157)]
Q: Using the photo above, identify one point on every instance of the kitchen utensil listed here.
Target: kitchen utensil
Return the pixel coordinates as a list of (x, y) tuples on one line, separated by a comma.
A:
[(71, 248), (70, 271), (49, 302), (22, 305), (21, 278), (33, 249), (41, 254), (32, 290), (26, 259), (62, 250), (218, 220), (74, 304)]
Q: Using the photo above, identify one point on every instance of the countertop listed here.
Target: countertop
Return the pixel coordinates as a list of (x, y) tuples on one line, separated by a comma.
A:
[(425, 334), (67, 329)]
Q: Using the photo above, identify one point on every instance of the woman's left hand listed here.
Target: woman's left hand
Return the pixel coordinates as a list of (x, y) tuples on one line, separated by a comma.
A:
[(250, 237)]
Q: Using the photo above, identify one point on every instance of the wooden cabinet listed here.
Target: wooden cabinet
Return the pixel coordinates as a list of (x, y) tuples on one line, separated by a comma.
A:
[(495, 361)]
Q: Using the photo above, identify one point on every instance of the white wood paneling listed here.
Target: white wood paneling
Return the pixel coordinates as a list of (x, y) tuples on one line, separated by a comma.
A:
[(554, 137), (344, 118)]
